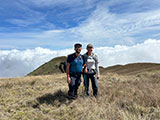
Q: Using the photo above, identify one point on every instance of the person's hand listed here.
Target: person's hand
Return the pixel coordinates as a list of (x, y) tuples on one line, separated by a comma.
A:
[(68, 80), (98, 76)]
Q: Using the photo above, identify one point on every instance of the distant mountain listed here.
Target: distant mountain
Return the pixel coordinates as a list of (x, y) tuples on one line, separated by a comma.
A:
[(132, 68), (53, 66), (50, 67)]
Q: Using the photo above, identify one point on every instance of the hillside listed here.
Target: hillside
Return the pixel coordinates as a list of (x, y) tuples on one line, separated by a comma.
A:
[(52, 67), (49, 68), (121, 97), (132, 68)]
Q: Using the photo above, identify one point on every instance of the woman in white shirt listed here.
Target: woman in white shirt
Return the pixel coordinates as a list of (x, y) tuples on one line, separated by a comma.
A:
[(92, 70)]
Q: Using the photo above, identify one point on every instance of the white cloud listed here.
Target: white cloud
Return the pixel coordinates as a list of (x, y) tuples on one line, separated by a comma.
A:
[(18, 63), (121, 54), (112, 28)]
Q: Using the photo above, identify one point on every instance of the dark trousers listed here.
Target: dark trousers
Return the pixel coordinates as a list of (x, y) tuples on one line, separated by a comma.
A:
[(74, 85), (94, 84)]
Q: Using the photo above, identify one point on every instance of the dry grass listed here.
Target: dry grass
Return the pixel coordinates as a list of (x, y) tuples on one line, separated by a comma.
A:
[(121, 97)]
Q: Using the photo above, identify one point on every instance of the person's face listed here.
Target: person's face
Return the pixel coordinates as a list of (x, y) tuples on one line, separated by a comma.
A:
[(90, 49), (78, 49)]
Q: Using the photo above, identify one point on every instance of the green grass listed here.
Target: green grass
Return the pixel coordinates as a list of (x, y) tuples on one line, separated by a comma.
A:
[(49, 68)]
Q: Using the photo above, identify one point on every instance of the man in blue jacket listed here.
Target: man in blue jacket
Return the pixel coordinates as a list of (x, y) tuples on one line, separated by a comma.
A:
[(75, 64)]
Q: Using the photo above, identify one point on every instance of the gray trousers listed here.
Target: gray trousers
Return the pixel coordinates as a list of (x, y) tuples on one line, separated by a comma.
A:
[(74, 85)]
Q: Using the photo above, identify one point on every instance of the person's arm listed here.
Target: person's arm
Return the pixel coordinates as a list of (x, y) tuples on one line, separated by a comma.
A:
[(97, 68), (69, 58), (84, 64), (98, 72), (67, 72), (84, 68)]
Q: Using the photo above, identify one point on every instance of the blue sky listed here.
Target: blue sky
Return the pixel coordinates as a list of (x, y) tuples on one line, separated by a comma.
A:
[(33, 32), (59, 24)]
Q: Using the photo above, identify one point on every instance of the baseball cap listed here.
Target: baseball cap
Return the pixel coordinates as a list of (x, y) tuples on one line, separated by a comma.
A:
[(77, 45), (89, 46)]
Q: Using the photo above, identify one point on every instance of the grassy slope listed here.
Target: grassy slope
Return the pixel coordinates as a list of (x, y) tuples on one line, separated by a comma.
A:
[(121, 97), (49, 68), (132, 68)]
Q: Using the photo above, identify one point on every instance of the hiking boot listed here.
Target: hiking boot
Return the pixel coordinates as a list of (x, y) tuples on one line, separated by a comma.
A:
[(87, 93), (71, 96), (75, 93), (95, 95)]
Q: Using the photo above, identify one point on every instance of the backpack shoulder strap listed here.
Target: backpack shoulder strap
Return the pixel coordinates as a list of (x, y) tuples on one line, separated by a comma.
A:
[(85, 55), (71, 57), (84, 59), (94, 56)]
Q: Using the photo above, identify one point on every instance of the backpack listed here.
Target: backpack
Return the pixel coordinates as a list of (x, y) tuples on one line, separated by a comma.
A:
[(63, 66)]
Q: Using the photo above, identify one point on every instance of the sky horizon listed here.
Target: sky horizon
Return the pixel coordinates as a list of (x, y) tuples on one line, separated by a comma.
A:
[(114, 27)]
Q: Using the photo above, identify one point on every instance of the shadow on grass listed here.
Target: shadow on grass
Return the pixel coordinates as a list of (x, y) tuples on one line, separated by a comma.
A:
[(56, 99)]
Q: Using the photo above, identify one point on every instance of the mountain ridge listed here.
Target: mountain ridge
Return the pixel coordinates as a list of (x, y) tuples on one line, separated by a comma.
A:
[(56, 65)]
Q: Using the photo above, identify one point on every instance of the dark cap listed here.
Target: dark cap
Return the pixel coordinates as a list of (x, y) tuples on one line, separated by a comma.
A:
[(89, 46), (77, 45)]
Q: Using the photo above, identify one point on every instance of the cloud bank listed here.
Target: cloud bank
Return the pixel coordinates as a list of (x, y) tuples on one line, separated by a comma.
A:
[(19, 63), (15, 63)]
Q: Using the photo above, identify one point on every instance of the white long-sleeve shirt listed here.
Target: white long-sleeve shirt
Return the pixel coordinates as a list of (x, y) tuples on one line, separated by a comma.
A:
[(92, 63)]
